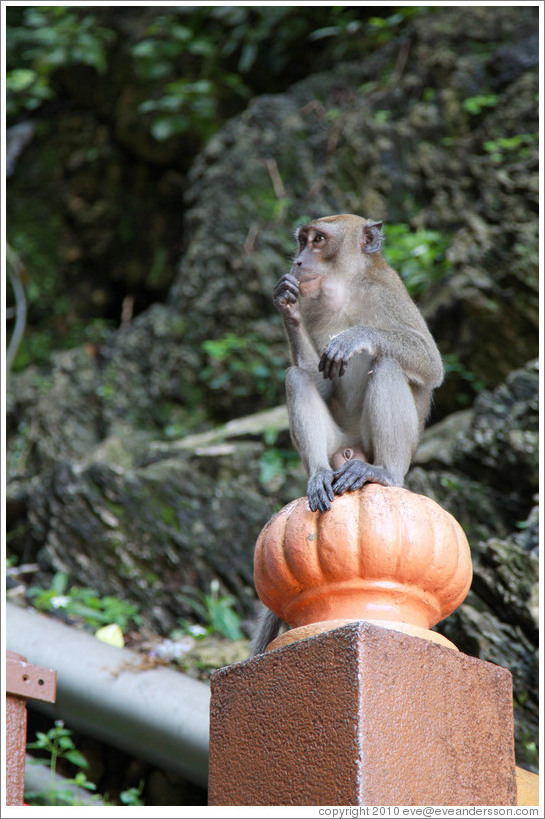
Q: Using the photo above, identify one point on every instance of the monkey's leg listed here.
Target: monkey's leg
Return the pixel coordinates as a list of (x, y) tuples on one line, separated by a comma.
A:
[(389, 429), (314, 432)]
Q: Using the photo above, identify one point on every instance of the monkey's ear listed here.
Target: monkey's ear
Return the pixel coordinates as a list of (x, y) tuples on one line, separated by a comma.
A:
[(371, 237)]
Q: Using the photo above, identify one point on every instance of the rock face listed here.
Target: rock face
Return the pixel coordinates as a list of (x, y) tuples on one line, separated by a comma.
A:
[(417, 147), (488, 479), (437, 130)]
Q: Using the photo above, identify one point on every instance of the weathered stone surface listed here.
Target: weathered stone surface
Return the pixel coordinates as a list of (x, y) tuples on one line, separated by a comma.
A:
[(491, 473), (501, 446), (146, 533)]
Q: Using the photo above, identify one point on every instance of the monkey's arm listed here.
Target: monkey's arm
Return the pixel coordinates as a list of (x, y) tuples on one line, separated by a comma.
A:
[(417, 355), (286, 299)]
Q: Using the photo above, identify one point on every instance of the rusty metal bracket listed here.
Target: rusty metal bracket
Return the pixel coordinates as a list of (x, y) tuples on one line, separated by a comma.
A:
[(23, 681), (30, 681)]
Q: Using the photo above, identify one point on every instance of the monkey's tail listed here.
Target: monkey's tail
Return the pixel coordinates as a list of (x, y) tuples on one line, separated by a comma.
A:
[(267, 628)]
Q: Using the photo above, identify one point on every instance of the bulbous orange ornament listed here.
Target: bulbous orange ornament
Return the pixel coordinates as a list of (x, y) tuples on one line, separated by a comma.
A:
[(381, 553)]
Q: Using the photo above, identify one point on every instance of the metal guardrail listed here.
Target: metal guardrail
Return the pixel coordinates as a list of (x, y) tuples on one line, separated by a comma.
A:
[(158, 714)]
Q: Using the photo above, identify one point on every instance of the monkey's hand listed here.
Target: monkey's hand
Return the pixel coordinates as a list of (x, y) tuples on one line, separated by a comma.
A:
[(355, 473), (338, 352), (286, 298), (319, 490)]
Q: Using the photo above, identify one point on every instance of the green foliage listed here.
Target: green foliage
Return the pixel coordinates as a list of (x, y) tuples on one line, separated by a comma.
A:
[(382, 116), (184, 106), (518, 145), (451, 482), (476, 105), (214, 610), (453, 365), (243, 365), (132, 796), (382, 29), (419, 256), (189, 102), (58, 744), (194, 61), (273, 464), (83, 604), (49, 38)]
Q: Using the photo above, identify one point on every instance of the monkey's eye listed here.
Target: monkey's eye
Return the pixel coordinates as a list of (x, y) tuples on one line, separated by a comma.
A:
[(318, 239)]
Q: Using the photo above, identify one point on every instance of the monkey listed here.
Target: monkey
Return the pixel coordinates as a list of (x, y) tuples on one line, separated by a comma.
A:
[(363, 365)]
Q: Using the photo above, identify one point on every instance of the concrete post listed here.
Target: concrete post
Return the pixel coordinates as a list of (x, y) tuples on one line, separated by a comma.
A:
[(362, 715)]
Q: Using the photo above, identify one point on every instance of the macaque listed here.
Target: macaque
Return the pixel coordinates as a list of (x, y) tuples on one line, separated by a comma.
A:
[(364, 365)]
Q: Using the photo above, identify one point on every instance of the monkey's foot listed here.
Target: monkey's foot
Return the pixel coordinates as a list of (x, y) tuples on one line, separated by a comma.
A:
[(355, 473), (319, 490)]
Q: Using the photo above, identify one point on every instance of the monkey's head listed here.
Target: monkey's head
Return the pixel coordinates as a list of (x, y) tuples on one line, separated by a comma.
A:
[(325, 242)]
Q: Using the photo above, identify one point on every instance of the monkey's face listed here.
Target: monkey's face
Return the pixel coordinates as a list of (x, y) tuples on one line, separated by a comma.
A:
[(332, 250), (315, 249)]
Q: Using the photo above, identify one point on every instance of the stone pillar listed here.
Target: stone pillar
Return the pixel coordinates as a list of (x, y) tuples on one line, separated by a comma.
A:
[(362, 715)]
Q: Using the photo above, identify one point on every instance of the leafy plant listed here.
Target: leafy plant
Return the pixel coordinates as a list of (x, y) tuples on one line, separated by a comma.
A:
[(273, 464), (195, 61), (219, 53), (419, 256), (62, 791), (50, 37), (382, 29), (476, 105), (83, 603), (133, 796), (185, 105), (58, 743), (518, 144), (188, 102), (243, 365), (216, 611)]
